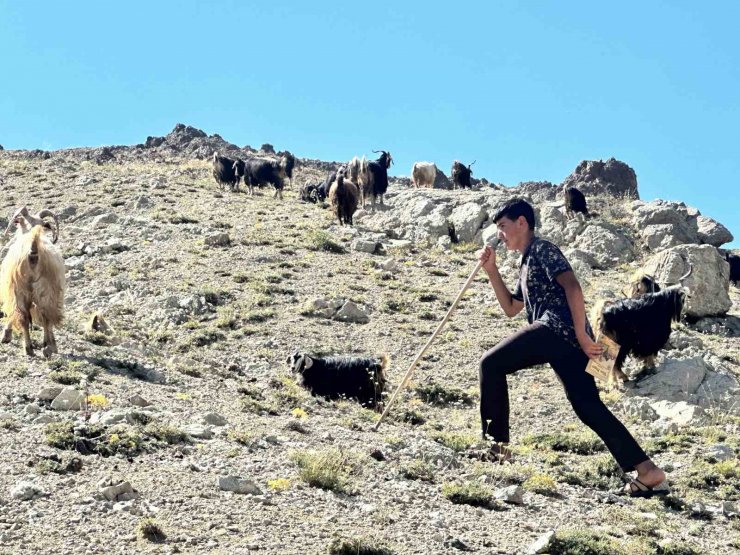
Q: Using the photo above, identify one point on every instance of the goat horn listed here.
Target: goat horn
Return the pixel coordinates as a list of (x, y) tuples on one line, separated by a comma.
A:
[(687, 274), (22, 211), (46, 213), (474, 161)]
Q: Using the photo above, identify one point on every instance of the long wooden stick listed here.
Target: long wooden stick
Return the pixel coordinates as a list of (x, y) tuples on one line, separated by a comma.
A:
[(407, 376)]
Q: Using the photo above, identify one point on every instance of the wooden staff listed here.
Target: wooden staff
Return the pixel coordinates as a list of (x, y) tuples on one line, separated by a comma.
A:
[(407, 377)]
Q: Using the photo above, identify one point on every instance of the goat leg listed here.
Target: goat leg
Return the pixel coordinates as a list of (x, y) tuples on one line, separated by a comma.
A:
[(27, 345), (50, 343), (8, 333)]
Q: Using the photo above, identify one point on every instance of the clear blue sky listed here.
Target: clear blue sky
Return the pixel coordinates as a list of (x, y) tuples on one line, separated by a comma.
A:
[(527, 88)]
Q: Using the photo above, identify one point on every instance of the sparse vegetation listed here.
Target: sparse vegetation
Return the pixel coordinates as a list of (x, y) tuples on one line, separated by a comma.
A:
[(329, 469)]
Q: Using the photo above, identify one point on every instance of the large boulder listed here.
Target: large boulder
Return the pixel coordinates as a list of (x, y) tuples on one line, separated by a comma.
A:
[(441, 181), (708, 283), (664, 224), (711, 232), (608, 246), (674, 379), (467, 220), (612, 177)]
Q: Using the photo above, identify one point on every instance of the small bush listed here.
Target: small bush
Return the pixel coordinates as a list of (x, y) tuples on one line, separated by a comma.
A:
[(469, 493), (542, 484), (588, 542), (328, 469), (323, 241), (418, 470), (148, 529), (440, 395), (166, 433), (455, 441), (279, 484)]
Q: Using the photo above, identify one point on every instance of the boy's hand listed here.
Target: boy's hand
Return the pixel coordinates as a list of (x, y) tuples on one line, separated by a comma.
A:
[(487, 256), (592, 349)]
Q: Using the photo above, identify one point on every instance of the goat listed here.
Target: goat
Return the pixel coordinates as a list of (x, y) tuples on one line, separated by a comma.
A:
[(223, 171), (353, 169), (461, 175), (734, 261), (423, 174), (32, 285), (360, 378), (25, 221), (343, 198), (640, 326), (258, 171), (239, 166), (323, 190), (642, 283), (374, 177), (575, 201), (309, 192), (289, 166)]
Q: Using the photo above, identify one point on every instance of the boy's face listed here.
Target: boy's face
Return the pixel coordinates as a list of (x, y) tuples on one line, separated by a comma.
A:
[(513, 233)]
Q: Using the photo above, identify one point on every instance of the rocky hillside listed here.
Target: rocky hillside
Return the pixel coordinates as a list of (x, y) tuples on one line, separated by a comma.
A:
[(169, 422)]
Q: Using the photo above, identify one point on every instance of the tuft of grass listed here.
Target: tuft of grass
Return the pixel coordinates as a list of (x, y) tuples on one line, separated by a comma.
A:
[(323, 241), (418, 470), (150, 530), (591, 542), (279, 484), (583, 443), (166, 433), (455, 441), (542, 484), (60, 435), (440, 395), (601, 472), (328, 469), (359, 546), (469, 493)]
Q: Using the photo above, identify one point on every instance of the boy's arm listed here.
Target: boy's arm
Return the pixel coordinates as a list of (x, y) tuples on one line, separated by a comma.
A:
[(509, 304), (574, 295)]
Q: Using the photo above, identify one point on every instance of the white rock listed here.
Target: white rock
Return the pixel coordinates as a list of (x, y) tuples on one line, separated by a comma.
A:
[(350, 312), (26, 491), (681, 412), (218, 239), (541, 544), (511, 494), (198, 431), (68, 399), (719, 452), (115, 491), (138, 401), (102, 219), (48, 393), (214, 419)]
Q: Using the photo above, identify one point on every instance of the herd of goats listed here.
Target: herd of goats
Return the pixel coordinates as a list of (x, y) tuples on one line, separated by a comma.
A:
[(32, 274), (347, 188)]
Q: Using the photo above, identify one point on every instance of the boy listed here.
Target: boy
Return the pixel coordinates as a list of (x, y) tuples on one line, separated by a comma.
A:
[(558, 333)]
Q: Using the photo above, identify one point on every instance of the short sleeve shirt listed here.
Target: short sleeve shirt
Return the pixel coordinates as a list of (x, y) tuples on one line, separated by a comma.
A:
[(543, 297)]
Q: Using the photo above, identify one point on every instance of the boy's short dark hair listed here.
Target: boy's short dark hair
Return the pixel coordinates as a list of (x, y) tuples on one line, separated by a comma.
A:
[(513, 209)]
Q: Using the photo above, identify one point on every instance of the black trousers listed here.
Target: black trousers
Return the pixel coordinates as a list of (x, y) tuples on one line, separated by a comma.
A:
[(536, 344)]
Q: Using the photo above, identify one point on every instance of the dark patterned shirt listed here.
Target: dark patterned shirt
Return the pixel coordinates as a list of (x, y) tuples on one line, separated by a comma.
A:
[(543, 297)]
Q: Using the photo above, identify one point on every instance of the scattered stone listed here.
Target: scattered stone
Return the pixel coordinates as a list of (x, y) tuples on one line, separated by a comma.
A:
[(27, 491), (719, 452), (48, 393), (68, 399), (214, 419), (512, 494), (102, 219), (116, 492), (362, 245), (350, 312), (198, 431), (138, 401), (218, 240), (541, 544), (238, 485)]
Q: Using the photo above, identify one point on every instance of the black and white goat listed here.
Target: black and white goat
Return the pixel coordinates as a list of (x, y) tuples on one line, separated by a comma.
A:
[(374, 177), (461, 175), (360, 378), (640, 326)]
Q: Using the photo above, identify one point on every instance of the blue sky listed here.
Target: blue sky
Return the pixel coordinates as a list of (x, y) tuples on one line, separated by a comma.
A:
[(528, 89)]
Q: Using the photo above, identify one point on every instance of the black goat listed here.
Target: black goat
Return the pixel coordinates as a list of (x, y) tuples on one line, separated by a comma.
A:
[(461, 175), (223, 171), (575, 201), (360, 378), (734, 261), (642, 283), (641, 326), (323, 190), (259, 171), (289, 166), (374, 177)]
